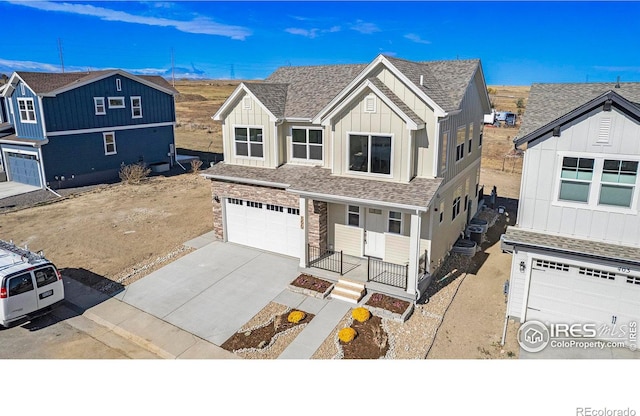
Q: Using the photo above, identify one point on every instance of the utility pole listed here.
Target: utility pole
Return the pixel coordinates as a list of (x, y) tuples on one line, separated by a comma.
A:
[(60, 53), (233, 72), (173, 74)]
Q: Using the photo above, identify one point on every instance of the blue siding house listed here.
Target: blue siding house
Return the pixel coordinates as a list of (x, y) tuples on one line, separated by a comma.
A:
[(78, 128)]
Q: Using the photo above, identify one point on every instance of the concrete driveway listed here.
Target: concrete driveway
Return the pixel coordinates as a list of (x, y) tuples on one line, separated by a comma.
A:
[(8, 189), (214, 290)]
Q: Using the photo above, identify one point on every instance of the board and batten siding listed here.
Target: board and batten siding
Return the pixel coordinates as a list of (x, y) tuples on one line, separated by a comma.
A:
[(517, 285), (471, 112), (26, 130), (75, 109), (256, 116), (384, 121), (539, 209)]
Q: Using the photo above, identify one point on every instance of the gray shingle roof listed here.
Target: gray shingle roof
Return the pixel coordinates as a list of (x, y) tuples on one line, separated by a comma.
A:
[(396, 100), (548, 102), (316, 180), (569, 245), (46, 82), (310, 88), (273, 96)]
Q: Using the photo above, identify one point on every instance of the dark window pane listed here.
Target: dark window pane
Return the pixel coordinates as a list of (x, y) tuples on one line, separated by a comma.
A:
[(315, 152), (394, 226), (354, 219), (242, 149), (611, 165), (315, 136), (570, 162), (358, 153), (585, 164), (241, 134), (381, 154), (256, 150), (45, 276), (299, 136), (20, 284), (574, 191), (255, 135), (629, 166), (619, 196), (300, 151)]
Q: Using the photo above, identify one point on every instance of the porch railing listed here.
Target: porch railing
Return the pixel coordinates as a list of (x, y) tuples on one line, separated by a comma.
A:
[(387, 273), (325, 259)]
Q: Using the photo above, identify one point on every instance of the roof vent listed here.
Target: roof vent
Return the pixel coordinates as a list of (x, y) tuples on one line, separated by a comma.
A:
[(422, 80), (617, 82)]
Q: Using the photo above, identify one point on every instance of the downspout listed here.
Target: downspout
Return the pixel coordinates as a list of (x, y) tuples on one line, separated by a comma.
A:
[(436, 149), (44, 176)]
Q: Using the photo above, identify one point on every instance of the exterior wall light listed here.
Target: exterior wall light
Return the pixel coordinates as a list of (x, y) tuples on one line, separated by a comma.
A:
[(523, 267)]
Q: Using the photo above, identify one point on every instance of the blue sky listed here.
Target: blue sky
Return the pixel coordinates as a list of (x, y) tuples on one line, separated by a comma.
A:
[(518, 42)]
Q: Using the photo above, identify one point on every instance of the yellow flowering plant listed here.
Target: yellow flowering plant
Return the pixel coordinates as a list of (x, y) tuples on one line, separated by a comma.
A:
[(296, 316), (347, 335), (361, 314)]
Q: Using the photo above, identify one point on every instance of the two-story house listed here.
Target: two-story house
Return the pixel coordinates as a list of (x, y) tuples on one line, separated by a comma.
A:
[(576, 244), (76, 128), (378, 161)]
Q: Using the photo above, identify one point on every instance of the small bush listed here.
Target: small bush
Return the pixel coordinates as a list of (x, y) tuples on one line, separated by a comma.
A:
[(133, 174), (361, 314), (195, 165), (347, 335), (296, 316)]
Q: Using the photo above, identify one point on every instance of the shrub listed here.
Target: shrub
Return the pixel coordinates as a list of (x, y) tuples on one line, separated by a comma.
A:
[(296, 316), (195, 165), (361, 314), (134, 173), (347, 335)]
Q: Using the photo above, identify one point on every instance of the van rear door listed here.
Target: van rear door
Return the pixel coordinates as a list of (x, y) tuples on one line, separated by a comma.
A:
[(21, 298), (49, 287)]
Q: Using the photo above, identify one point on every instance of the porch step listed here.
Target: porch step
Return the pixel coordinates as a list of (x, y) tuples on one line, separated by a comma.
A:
[(348, 291)]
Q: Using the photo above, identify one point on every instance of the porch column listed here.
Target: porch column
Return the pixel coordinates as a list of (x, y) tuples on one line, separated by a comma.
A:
[(304, 241), (414, 253)]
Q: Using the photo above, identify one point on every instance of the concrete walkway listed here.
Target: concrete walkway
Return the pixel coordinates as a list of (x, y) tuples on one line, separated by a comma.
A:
[(11, 188)]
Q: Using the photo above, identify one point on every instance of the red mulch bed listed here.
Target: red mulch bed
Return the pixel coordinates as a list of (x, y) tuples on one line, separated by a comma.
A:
[(306, 281), (261, 337), (370, 343), (387, 302)]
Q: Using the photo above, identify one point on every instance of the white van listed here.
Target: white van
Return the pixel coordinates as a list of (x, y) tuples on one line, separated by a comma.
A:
[(30, 285)]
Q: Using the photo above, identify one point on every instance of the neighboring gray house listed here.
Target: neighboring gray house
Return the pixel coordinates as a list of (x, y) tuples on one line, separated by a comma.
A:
[(576, 244), (376, 161)]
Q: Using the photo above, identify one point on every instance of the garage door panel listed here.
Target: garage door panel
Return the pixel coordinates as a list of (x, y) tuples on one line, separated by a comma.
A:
[(24, 168), (266, 229)]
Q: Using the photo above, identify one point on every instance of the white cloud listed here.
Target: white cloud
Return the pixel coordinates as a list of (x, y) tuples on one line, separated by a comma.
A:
[(618, 68), (417, 39), (199, 25), (9, 66), (309, 33), (365, 27)]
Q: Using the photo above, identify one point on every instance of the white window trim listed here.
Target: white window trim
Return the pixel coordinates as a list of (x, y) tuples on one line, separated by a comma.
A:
[(445, 151), (401, 220), (116, 106), (96, 100), (118, 84), (596, 182), (233, 141), (133, 108), (360, 212), (307, 144), (371, 98), (35, 115), (104, 140), (463, 143), (369, 174)]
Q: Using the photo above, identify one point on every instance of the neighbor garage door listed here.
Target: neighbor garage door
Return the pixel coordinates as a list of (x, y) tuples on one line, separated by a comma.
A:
[(23, 168), (564, 293), (265, 226)]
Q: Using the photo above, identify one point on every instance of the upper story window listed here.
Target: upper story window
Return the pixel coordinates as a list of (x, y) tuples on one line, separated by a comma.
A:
[(370, 154), (441, 208), (470, 136), (99, 105), (618, 182), (306, 143), (395, 222), (109, 139), (576, 177), (443, 154), (248, 142), (480, 136), (116, 102), (27, 110), (598, 182), (461, 137), (136, 107), (118, 84), (353, 215)]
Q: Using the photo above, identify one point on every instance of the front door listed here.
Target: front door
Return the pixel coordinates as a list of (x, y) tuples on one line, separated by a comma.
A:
[(374, 233)]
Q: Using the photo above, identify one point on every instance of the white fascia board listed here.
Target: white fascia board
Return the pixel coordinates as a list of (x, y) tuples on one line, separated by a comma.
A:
[(13, 82), (298, 120), (411, 125), (358, 201), (106, 75), (225, 106), (244, 180), (32, 143)]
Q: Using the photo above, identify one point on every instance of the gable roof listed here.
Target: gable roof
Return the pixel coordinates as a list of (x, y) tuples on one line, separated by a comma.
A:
[(51, 83), (548, 103), (272, 96)]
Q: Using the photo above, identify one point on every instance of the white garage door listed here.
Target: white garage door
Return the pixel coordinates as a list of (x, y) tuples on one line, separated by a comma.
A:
[(564, 293), (264, 226)]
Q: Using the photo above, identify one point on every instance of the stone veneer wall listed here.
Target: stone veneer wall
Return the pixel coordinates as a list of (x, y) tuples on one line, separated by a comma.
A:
[(316, 217)]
